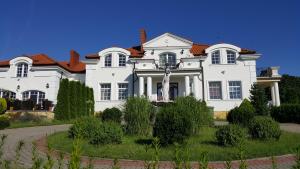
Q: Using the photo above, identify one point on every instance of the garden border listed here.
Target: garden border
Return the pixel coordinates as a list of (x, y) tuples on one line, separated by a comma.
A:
[(288, 159)]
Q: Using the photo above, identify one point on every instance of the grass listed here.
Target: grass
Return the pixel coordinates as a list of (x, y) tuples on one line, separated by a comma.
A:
[(21, 124), (204, 142)]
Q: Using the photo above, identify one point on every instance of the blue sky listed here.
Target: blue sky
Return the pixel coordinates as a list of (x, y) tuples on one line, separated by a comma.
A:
[(55, 26)]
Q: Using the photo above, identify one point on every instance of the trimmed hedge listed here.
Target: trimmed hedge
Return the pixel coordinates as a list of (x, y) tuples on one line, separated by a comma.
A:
[(74, 100), (171, 126), (264, 128), (3, 105), (230, 135), (107, 133), (113, 114), (84, 127), (242, 114), (286, 113), (4, 122)]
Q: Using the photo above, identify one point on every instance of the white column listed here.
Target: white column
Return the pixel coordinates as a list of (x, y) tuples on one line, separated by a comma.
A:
[(187, 85), (276, 89), (141, 86), (149, 87), (196, 87), (273, 95)]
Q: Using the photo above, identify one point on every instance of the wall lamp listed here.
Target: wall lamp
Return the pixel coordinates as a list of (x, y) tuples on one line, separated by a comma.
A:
[(47, 85), (152, 52)]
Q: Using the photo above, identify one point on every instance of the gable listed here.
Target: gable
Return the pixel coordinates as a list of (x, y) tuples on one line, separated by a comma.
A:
[(167, 40)]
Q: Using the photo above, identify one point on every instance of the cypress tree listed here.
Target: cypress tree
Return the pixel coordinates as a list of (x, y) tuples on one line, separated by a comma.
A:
[(259, 100), (92, 106), (77, 99), (62, 108), (72, 96), (84, 96)]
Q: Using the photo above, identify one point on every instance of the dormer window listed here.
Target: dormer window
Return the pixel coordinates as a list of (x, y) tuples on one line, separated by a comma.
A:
[(231, 58), (215, 57), (122, 60), (22, 70), (107, 62)]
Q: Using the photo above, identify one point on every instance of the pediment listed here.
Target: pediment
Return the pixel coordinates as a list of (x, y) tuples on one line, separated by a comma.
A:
[(168, 40)]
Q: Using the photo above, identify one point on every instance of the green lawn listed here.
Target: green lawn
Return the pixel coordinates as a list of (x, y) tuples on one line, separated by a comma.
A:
[(130, 149), (21, 124)]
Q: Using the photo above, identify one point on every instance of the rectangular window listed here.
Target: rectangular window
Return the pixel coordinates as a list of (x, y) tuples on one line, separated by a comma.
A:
[(123, 91), (235, 90), (215, 90), (19, 70), (122, 60), (215, 57), (105, 91), (230, 57), (25, 70)]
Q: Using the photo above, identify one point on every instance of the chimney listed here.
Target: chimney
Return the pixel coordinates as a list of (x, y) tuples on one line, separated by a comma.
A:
[(143, 36), (74, 58)]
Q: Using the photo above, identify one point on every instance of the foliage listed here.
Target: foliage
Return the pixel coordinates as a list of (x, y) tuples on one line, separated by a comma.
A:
[(62, 108), (259, 100), (74, 100), (286, 113), (264, 128), (4, 122), (112, 114), (84, 127), (16, 104), (289, 89), (230, 135), (74, 162), (172, 126), (47, 104), (27, 104), (137, 115), (107, 133), (242, 114), (3, 105), (197, 111)]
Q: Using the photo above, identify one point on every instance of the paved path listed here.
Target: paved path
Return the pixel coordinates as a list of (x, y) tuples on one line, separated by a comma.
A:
[(30, 134)]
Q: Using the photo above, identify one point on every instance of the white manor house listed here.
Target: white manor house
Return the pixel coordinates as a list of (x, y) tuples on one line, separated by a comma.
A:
[(221, 74)]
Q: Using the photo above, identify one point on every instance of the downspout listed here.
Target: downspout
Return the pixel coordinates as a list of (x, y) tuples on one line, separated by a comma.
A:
[(202, 76), (133, 81)]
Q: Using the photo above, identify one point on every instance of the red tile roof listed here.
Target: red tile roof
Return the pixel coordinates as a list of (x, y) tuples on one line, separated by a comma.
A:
[(45, 60), (198, 49)]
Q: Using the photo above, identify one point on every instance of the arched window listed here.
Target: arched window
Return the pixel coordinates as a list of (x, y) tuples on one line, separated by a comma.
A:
[(22, 70), (169, 58), (35, 95), (107, 62), (122, 60), (231, 59), (7, 94), (215, 57)]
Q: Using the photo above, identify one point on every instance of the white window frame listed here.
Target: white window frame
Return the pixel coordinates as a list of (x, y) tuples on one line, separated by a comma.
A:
[(22, 70), (121, 90), (40, 96), (209, 90), (235, 86), (214, 59), (108, 63), (122, 60), (231, 57), (167, 58), (11, 95), (104, 89)]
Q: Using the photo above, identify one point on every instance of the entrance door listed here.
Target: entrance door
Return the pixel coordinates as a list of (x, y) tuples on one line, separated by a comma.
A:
[(173, 91)]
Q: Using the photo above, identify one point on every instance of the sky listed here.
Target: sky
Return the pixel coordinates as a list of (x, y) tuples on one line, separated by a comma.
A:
[(54, 27)]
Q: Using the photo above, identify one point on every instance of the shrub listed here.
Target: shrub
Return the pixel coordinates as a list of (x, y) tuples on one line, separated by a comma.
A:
[(27, 104), (230, 135), (4, 122), (197, 111), (84, 127), (264, 128), (16, 104), (137, 116), (286, 113), (107, 133), (113, 114), (242, 114), (172, 126), (3, 105), (259, 100)]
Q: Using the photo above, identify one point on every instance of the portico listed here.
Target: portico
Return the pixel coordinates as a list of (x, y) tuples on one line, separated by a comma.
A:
[(182, 83)]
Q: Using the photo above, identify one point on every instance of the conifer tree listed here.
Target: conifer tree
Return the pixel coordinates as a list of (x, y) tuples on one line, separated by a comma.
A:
[(84, 104), (62, 108), (259, 100), (72, 96)]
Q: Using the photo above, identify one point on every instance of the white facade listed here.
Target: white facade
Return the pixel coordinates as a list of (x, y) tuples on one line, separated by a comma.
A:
[(220, 74)]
